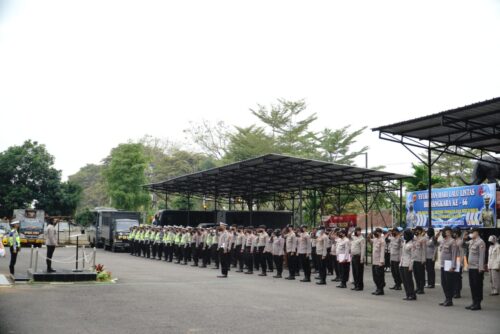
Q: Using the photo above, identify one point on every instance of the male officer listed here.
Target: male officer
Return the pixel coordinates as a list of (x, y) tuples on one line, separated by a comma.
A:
[(304, 253), (430, 258), (291, 248), (249, 249), (358, 249), (278, 252), (321, 245), (395, 248), (419, 262), (224, 248), (261, 245), (449, 251), (240, 248), (343, 258), (378, 261), (477, 249), (14, 245)]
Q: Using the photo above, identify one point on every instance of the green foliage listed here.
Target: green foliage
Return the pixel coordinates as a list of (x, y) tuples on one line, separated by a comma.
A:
[(85, 218), (27, 175), (247, 143), (336, 145), (451, 167), (125, 177), (420, 179), (91, 180)]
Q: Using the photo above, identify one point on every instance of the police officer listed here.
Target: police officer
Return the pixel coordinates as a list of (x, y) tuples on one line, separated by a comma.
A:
[(477, 249), (378, 261), (268, 252), (261, 245), (249, 249), (406, 264), (215, 247), (419, 259), (14, 244), (448, 254), (395, 246), (462, 246), (494, 264), (321, 245), (224, 250), (278, 252), (291, 248), (131, 239), (153, 238), (343, 258), (304, 253), (430, 258), (358, 248)]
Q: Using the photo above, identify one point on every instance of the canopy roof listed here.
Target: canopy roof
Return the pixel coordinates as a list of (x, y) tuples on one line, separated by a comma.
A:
[(270, 174), (475, 126)]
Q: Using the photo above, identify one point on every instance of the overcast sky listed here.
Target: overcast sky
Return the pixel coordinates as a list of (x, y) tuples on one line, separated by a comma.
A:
[(84, 76)]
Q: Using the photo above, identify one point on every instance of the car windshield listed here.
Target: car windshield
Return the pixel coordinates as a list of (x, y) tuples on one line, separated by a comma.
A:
[(31, 224), (124, 225)]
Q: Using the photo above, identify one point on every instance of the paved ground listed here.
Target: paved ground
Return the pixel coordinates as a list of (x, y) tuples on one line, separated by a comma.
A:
[(157, 297)]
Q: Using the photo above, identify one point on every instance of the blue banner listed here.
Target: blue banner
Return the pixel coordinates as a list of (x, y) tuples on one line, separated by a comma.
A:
[(460, 206)]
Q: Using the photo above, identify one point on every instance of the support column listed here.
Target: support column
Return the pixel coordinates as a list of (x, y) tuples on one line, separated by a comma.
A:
[(166, 200), (366, 223), (429, 176), (188, 210), (400, 203), (300, 206)]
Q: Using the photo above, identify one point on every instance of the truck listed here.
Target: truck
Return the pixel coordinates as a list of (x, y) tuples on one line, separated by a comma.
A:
[(31, 224), (111, 227)]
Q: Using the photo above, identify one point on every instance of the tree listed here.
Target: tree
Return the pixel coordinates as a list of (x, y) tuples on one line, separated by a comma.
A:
[(27, 176), (248, 143), (450, 168), (211, 137), (125, 177), (92, 182), (85, 217), (336, 145), (420, 180), (290, 134)]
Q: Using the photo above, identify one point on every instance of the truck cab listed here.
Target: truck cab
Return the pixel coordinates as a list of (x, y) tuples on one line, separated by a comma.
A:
[(111, 228), (31, 225)]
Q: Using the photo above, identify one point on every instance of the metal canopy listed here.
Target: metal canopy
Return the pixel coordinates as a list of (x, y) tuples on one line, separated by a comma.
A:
[(270, 174), (475, 126)]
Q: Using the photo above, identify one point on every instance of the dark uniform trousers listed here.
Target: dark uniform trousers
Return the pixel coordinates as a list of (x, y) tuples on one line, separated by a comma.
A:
[(476, 285), (161, 246), (314, 259), (206, 256), (215, 254), (269, 259), (407, 279), (168, 252), (234, 259), (240, 258), (322, 269), (329, 261), (196, 250), (131, 247), (357, 271), (448, 282), (278, 261), (378, 277), (263, 260), (13, 260), (292, 264), (431, 271), (256, 259), (225, 258), (147, 249), (306, 265), (458, 282), (344, 272), (336, 267), (396, 273), (419, 273), (50, 253), (154, 249), (248, 259), (177, 252)]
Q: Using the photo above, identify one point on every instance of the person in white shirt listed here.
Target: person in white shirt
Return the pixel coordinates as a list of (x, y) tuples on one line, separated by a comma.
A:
[(494, 264), (51, 243)]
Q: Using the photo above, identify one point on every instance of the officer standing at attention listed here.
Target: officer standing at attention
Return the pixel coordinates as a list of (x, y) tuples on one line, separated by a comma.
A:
[(261, 246), (240, 249), (321, 244), (430, 258), (477, 249), (291, 247), (249, 249), (278, 252), (131, 237), (448, 257), (304, 253), (343, 258), (494, 264), (14, 244), (419, 262), (395, 246), (406, 265), (224, 248), (378, 261), (358, 249)]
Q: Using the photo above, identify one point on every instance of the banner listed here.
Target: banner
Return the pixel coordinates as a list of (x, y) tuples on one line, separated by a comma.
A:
[(342, 221), (461, 206)]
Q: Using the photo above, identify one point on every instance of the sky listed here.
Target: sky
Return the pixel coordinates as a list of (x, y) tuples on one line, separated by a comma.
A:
[(83, 76)]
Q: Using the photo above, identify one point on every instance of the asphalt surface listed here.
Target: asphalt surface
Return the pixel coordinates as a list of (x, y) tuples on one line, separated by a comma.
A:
[(157, 297)]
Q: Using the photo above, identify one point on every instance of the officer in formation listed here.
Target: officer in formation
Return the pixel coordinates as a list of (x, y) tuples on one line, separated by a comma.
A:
[(14, 243), (412, 254)]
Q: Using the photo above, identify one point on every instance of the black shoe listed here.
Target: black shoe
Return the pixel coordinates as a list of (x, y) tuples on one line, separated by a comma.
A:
[(448, 303), (51, 270), (457, 296), (249, 272), (290, 278), (420, 292), (203, 266), (469, 307), (393, 287), (277, 276), (321, 283), (216, 268), (378, 293), (342, 286), (429, 286), (475, 307), (336, 279), (239, 271), (305, 280), (354, 289), (222, 276), (194, 265), (358, 289), (262, 274), (317, 277)]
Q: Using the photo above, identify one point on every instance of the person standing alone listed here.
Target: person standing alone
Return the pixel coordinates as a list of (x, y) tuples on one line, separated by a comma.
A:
[(51, 243), (14, 245)]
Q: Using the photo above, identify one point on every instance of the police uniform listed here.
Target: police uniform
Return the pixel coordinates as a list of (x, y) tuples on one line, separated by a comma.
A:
[(278, 253), (14, 245), (224, 248), (395, 246), (419, 263), (405, 268), (358, 248), (304, 252), (239, 250), (430, 260), (261, 245), (449, 251), (343, 250), (477, 249), (291, 248), (378, 263), (321, 244), (249, 249)]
